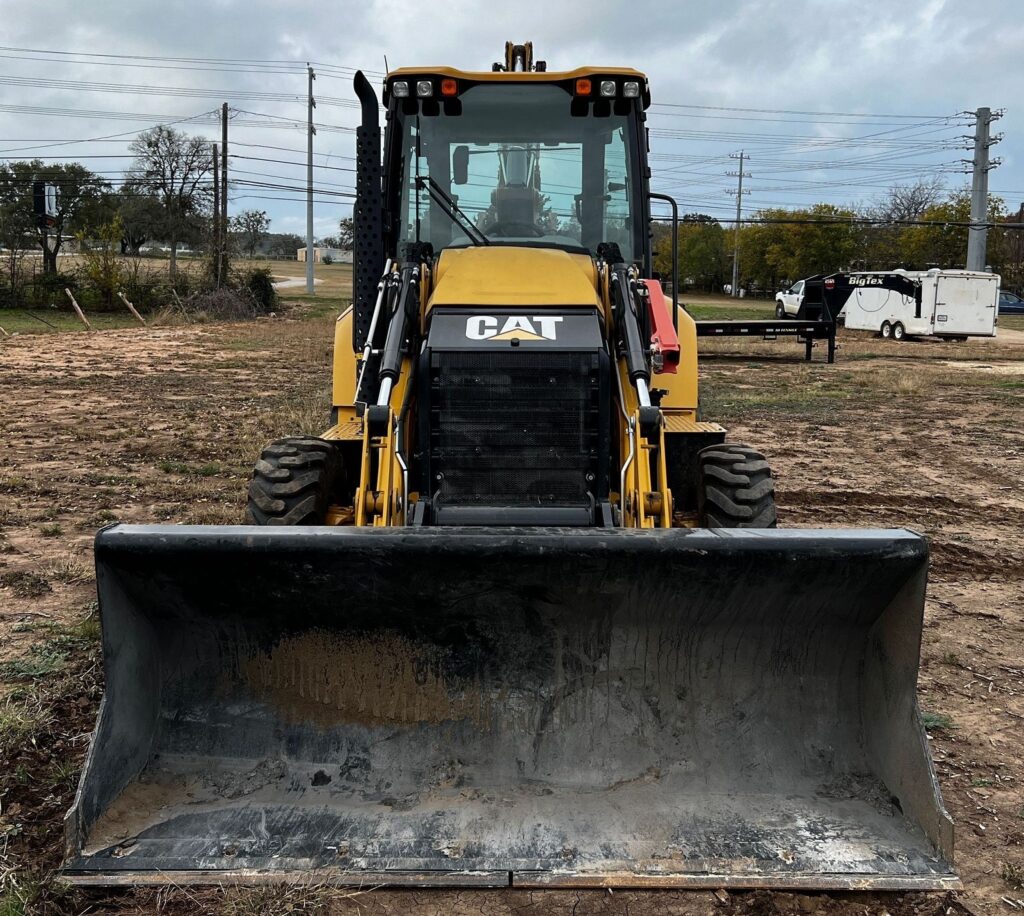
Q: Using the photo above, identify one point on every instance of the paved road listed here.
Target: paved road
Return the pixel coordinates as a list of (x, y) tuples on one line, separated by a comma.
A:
[(292, 282)]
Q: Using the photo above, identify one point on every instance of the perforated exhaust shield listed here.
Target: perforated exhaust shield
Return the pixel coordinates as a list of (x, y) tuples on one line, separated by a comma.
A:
[(531, 706)]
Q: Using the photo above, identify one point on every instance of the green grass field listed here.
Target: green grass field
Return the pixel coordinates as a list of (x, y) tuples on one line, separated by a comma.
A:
[(725, 310), (46, 321)]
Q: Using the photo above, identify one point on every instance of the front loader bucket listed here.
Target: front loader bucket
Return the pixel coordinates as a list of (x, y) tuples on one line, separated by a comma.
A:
[(532, 707)]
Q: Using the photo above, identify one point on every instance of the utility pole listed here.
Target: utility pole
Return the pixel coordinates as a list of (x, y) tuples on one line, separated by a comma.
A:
[(977, 235), (309, 186), (740, 175), (223, 191), (216, 217)]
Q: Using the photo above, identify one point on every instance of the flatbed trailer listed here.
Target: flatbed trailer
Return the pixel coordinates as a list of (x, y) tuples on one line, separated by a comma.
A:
[(816, 320)]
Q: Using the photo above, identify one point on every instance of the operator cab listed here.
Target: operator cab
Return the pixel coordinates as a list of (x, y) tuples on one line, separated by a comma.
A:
[(527, 159)]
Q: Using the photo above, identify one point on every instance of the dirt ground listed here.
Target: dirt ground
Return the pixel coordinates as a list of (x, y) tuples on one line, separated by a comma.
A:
[(163, 424)]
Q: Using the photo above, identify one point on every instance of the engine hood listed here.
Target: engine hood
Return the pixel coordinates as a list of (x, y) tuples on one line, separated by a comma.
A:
[(514, 276)]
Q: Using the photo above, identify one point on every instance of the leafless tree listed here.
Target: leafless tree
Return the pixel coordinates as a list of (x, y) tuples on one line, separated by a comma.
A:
[(252, 227), (176, 168), (909, 202)]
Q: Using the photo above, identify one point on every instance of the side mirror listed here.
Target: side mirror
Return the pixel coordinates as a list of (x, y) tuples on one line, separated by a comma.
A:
[(460, 165)]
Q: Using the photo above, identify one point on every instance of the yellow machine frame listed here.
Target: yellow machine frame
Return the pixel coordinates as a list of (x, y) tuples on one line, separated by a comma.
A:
[(642, 494)]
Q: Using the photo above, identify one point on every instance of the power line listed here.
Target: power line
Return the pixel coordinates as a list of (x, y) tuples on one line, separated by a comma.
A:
[(152, 57), (169, 91), (180, 120), (261, 64), (788, 111), (863, 221), (288, 199), (333, 168), (329, 184)]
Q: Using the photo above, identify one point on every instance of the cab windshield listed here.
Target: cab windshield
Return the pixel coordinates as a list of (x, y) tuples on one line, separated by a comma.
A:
[(522, 169)]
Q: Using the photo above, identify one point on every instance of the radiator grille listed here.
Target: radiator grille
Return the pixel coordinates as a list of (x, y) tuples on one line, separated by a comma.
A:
[(514, 428)]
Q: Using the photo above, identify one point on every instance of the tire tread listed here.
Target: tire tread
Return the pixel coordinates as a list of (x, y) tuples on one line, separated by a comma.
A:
[(736, 488), (293, 482)]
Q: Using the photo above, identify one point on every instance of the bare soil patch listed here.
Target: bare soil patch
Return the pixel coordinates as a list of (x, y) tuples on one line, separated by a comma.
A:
[(163, 424)]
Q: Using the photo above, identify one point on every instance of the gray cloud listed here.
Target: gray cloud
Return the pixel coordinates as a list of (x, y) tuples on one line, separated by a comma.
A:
[(923, 57)]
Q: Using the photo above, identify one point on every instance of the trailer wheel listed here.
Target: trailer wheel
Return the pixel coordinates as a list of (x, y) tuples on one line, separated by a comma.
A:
[(885, 330), (735, 488), (294, 482), (898, 331)]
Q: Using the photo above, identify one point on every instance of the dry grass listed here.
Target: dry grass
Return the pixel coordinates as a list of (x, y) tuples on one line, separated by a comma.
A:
[(1013, 875), (21, 717), (897, 381), (68, 569), (305, 897), (305, 415)]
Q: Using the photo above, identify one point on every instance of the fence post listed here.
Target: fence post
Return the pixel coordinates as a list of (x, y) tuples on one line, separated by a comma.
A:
[(131, 308), (78, 310), (181, 306)]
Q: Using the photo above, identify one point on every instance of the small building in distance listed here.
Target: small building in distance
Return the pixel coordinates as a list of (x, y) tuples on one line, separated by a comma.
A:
[(326, 255)]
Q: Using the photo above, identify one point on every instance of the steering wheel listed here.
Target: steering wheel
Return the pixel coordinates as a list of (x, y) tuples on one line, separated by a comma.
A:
[(511, 228)]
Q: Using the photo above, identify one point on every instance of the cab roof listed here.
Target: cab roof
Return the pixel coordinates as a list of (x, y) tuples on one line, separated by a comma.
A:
[(521, 76), (517, 76)]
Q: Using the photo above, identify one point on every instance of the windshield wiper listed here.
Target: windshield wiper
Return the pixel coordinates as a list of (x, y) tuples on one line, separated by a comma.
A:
[(451, 209)]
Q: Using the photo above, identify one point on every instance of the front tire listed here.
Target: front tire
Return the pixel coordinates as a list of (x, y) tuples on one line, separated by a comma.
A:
[(780, 310), (294, 482), (735, 488), (885, 330)]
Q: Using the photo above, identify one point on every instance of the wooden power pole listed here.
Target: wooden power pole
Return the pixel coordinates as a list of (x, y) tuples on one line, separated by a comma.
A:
[(216, 217)]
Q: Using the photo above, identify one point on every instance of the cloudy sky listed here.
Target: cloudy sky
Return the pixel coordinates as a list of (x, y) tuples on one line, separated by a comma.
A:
[(832, 100)]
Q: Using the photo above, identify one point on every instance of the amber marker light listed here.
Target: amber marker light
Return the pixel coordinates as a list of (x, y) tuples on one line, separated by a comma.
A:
[(584, 87), (449, 87)]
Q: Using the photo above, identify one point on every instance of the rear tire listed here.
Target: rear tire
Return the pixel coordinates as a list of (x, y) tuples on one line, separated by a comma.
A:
[(735, 488), (885, 330), (898, 331), (294, 482)]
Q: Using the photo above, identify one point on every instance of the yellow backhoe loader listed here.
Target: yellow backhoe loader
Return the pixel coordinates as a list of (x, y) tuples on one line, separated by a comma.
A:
[(520, 616)]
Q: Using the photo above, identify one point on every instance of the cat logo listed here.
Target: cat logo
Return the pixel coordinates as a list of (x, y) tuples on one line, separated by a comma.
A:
[(515, 327)]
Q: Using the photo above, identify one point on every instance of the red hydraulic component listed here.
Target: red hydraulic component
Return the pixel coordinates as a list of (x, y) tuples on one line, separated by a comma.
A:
[(664, 340)]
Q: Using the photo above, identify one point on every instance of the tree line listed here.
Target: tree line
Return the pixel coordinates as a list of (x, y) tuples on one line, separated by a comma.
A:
[(166, 195), (915, 227)]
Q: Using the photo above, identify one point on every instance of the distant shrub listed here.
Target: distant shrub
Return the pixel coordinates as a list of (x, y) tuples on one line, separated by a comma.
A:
[(258, 283), (221, 305), (45, 290), (102, 267)]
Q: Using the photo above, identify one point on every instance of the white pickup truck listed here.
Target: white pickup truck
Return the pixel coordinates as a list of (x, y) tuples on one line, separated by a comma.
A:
[(787, 302)]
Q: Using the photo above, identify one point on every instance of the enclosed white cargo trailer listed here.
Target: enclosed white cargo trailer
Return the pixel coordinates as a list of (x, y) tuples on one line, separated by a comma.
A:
[(902, 303)]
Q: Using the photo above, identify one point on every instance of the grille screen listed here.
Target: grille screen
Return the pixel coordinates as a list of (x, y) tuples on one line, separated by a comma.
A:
[(514, 428)]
